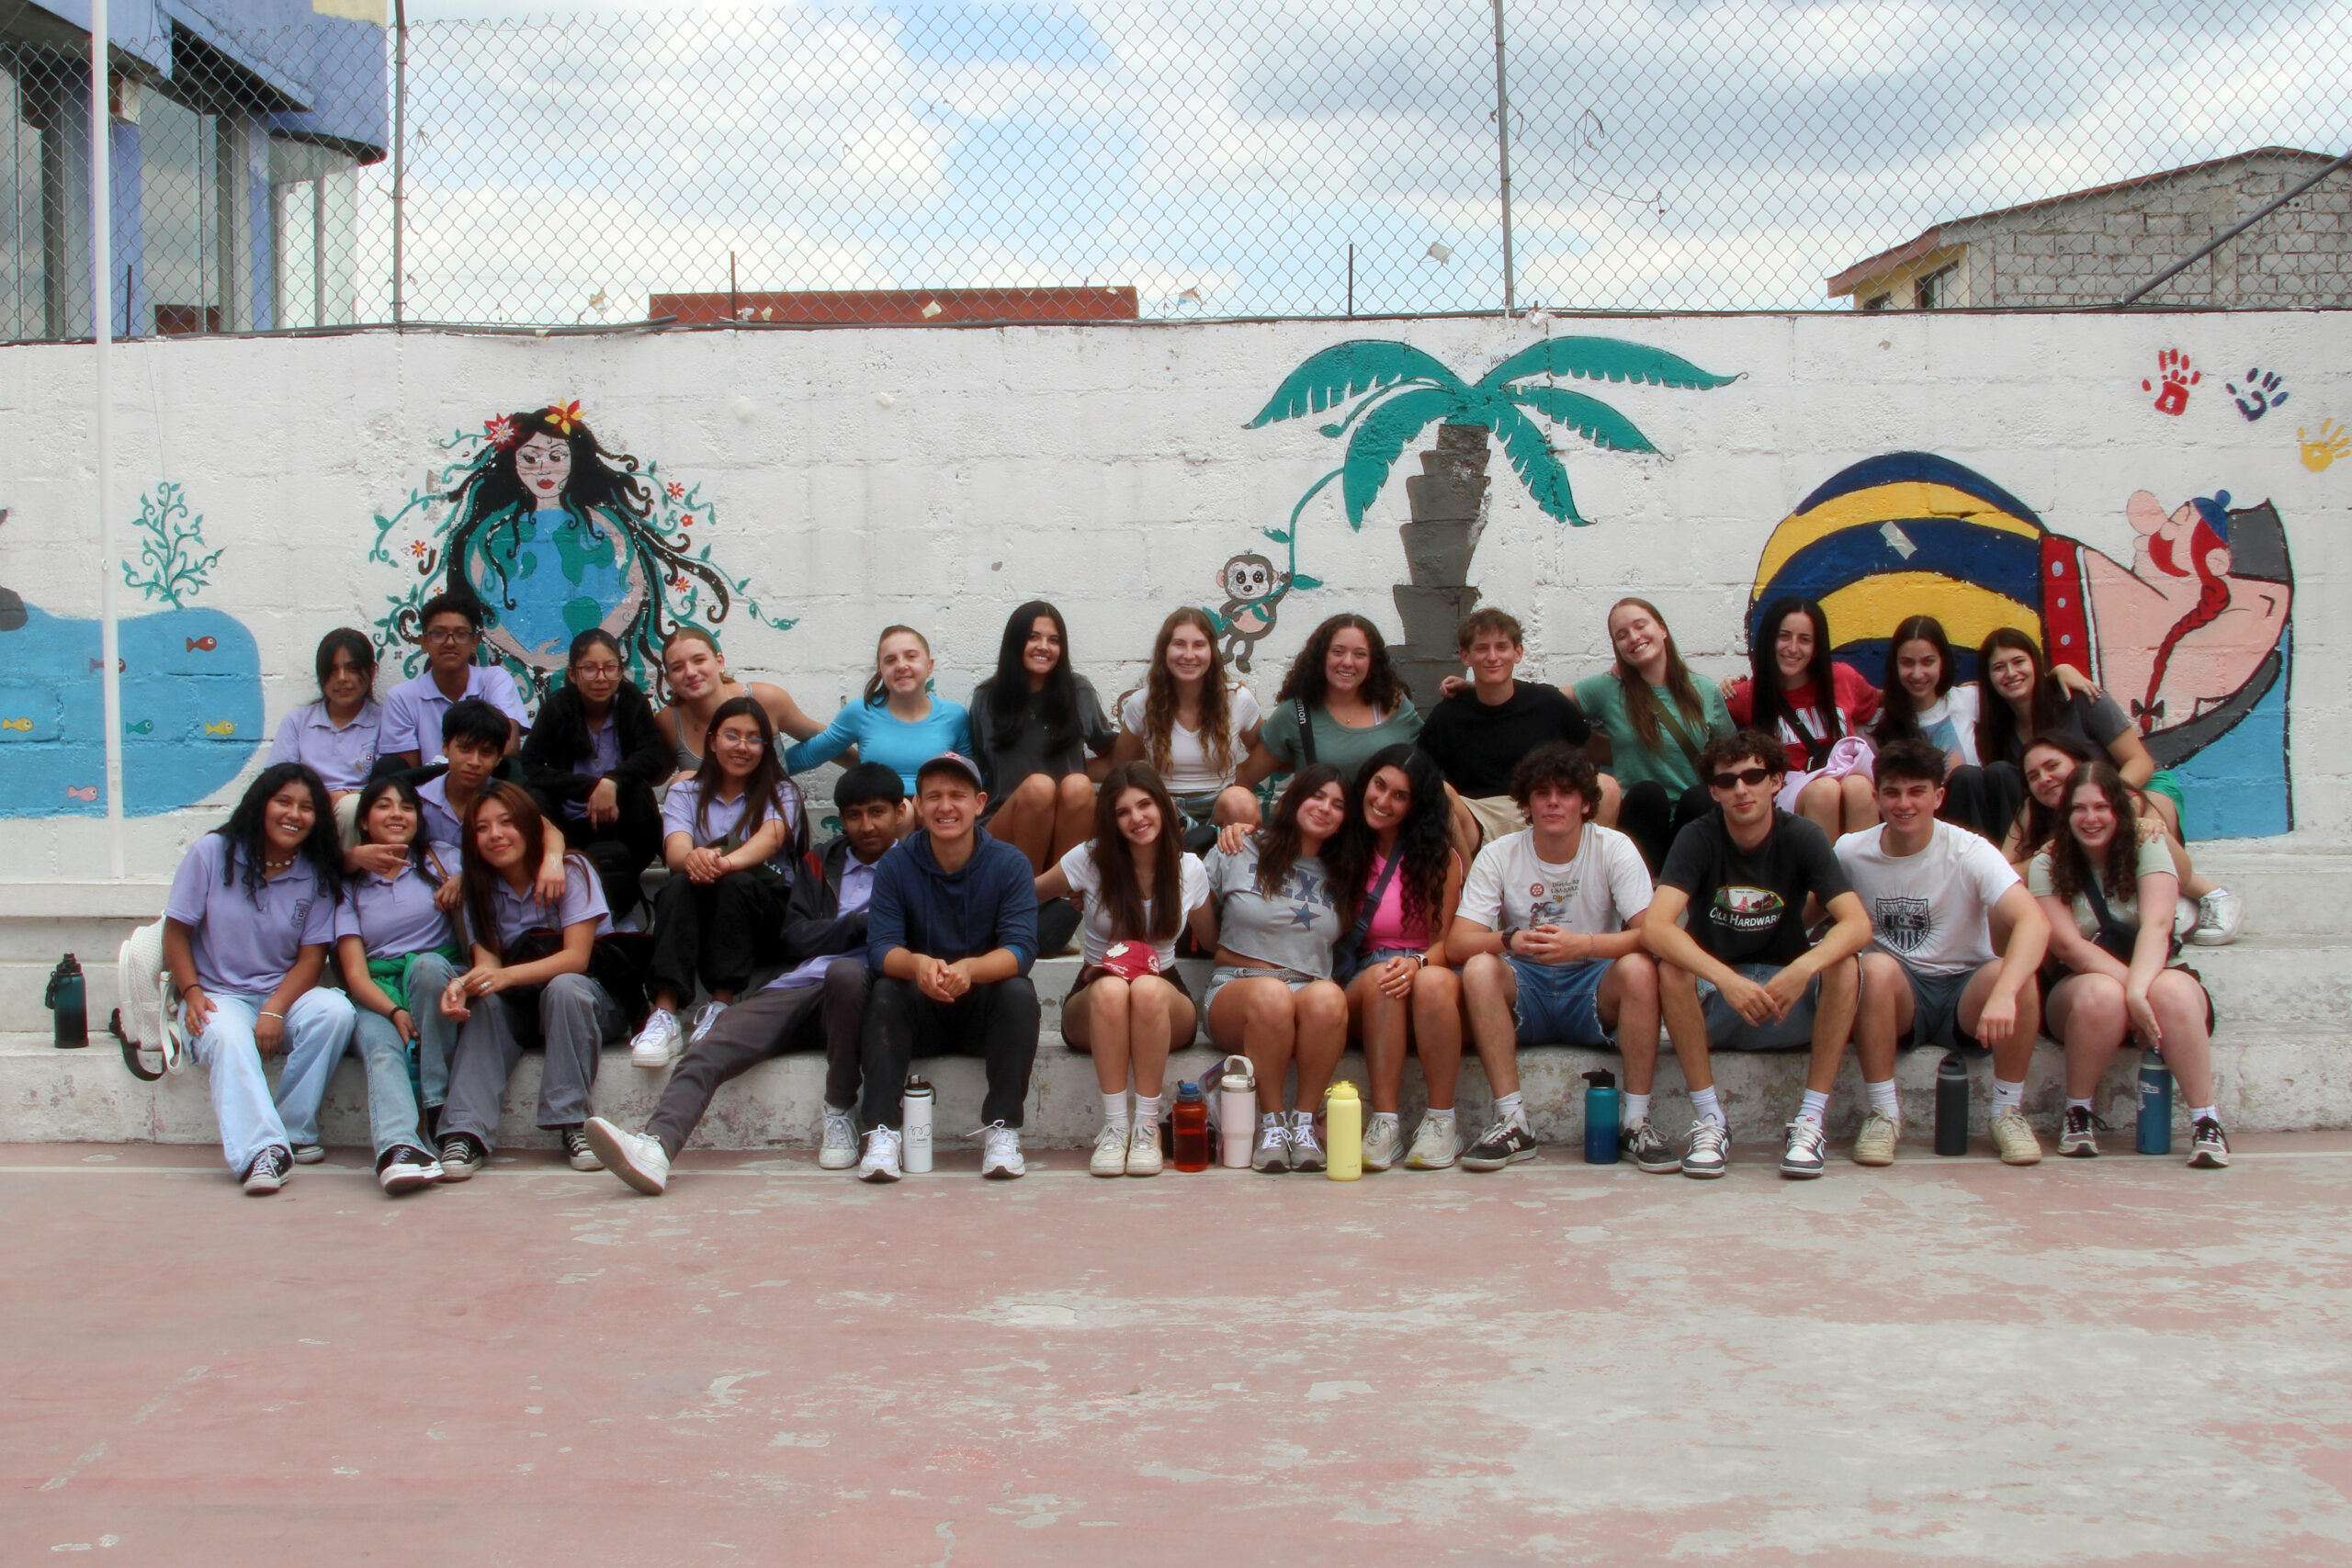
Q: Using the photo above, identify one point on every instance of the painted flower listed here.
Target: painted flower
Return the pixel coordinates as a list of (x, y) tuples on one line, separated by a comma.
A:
[(565, 417), (419, 548), (498, 432), (677, 490)]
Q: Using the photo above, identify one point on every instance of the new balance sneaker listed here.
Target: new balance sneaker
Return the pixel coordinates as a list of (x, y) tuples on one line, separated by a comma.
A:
[(1000, 1152), (308, 1154), (634, 1157), (1874, 1144), (656, 1045), (1649, 1149), (1273, 1156), (1110, 1151), (1144, 1156), (2013, 1138), (1506, 1143), (881, 1161), (837, 1148), (709, 1015), (577, 1151), (1384, 1140), (462, 1153), (268, 1171), (2210, 1146), (2220, 915), (404, 1169), (1437, 1143), (1709, 1150), (1305, 1154), (1807, 1151), (2079, 1138)]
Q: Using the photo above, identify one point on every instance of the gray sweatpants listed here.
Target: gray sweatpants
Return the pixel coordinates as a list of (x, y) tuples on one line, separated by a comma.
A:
[(575, 1018)]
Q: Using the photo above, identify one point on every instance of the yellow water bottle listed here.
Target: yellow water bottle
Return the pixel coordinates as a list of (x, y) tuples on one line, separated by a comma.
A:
[(1344, 1127)]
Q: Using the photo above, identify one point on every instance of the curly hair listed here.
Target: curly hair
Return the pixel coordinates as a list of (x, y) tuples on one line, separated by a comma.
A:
[(1159, 701), (1307, 679), (1424, 837), (2070, 865), (247, 832)]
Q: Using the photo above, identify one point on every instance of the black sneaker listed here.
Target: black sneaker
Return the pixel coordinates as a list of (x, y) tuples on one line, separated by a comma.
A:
[(578, 1150), (462, 1153), (404, 1169), (1505, 1144), (1649, 1150), (268, 1171), (2210, 1147)]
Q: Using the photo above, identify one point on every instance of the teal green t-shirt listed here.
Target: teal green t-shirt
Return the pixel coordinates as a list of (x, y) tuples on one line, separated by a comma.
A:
[(1602, 697), (1345, 748)]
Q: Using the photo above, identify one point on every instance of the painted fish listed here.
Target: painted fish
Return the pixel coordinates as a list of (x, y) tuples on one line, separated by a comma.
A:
[(120, 665), (202, 644), (144, 727), (82, 792), (16, 723), (225, 727)]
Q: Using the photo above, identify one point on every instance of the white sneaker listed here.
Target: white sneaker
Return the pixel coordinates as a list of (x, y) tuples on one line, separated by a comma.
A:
[(837, 1150), (1876, 1143), (308, 1154), (637, 1159), (1000, 1153), (1437, 1143), (881, 1161), (1384, 1140), (656, 1045), (2013, 1138), (1305, 1154), (2220, 915), (1110, 1151), (704, 1020), (1272, 1157), (1143, 1149)]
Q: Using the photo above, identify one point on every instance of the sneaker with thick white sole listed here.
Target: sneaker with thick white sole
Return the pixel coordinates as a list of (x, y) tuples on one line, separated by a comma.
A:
[(2013, 1138), (1647, 1148), (578, 1152), (268, 1171), (309, 1154), (1000, 1152), (837, 1145), (2078, 1138), (1874, 1144), (1709, 1152), (1305, 1154), (656, 1045), (2209, 1147), (1384, 1140), (711, 1013), (1144, 1158), (1110, 1157), (1807, 1151), (1505, 1143), (1437, 1143), (881, 1161), (1273, 1156), (634, 1157), (461, 1155), (2220, 915), (404, 1169)]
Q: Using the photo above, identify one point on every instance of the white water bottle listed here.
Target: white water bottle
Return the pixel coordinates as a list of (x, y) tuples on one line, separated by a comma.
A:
[(914, 1122), (1237, 1113)]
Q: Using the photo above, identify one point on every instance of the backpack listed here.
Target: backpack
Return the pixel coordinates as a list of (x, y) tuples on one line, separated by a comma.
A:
[(147, 1022)]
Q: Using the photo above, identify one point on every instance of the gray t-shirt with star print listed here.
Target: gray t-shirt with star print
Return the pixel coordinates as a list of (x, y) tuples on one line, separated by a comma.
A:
[(1295, 929)]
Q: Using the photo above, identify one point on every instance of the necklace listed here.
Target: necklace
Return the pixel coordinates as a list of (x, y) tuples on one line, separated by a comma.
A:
[(272, 867)]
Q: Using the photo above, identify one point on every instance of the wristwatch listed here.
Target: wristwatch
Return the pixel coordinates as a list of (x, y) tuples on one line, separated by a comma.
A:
[(1509, 932)]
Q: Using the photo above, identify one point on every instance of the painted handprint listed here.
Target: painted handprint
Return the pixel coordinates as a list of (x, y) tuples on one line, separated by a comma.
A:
[(2261, 393), (2177, 377), (2332, 442)]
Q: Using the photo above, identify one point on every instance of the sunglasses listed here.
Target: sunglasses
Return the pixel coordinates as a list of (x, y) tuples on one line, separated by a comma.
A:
[(1750, 777)]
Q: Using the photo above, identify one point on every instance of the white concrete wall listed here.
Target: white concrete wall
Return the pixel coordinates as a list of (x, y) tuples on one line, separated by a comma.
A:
[(939, 477)]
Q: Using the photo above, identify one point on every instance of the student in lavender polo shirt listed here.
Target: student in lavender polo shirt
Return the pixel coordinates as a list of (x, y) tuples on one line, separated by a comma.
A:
[(819, 999), (335, 737), (245, 935), (504, 1005), (451, 628), (471, 734), (596, 756)]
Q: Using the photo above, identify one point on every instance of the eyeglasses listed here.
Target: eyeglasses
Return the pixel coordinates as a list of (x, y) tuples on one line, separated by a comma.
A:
[(446, 635), (597, 671), (1749, 776)]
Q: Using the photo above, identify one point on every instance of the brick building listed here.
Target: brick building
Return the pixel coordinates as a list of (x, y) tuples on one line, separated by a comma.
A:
[(2092, 247)]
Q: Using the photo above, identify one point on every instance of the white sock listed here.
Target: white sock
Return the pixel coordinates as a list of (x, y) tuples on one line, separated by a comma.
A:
[(2008, 1095), (1637, 1110), (1379, 1116), (2074, 1104), (1705, 1107), (1444, 1115), (1816, 1109), (1147, 1109), (2200, 1113), (1511, 1108), (1115, 1109), (1271, 1119), (1883, 1097)]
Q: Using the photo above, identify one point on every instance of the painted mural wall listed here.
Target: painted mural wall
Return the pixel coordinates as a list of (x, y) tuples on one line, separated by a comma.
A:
[(2163, 498)]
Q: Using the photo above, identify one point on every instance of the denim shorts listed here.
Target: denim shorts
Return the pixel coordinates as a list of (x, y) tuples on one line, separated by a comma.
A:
[(1727, 1030), (1223, 975), (1559, 1004)]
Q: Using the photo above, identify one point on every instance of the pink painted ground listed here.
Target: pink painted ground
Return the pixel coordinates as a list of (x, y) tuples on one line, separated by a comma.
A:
[(1949, 1362)]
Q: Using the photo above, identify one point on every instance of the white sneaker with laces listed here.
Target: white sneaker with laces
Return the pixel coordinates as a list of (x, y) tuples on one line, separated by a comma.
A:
[(1384, 1140), (656, 1045), (2220, 915), (1874, 1144), (1000, 1152), (309, 1154), (1143, 1150), (702, 1020), (1807, 1151), (837, 1145), (1437, 1143), (1709, 1150), (881, 1161), (2013, 1138), (637, 1159), (1273, 1156), (1110, 1151), (1305, 1154)]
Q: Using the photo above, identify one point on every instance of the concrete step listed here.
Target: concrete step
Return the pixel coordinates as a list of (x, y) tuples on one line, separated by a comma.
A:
[(2288, 891)]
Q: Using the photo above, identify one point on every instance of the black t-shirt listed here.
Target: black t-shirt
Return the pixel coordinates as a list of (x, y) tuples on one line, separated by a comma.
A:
[(1747, 907), (1476, 746)]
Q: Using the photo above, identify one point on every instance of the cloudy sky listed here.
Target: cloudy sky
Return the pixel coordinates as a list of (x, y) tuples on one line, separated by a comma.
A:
[(1221, 155)]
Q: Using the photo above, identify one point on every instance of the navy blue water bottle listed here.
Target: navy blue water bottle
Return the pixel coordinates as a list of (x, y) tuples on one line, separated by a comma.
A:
[(2155, 1104), (1951, 1105), (68, 1001), (1601, 1112)]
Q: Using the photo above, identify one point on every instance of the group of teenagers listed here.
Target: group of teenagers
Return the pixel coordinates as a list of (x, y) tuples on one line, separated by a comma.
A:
[(1796, 861)]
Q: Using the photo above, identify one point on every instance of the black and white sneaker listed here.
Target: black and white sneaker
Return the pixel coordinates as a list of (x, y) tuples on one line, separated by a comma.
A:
[(2210, 1147), (404, 1169), (462, 1153), (1649, 1149), (1506, 1143), (1709, 1150), (1807, 1151), (268, 1171), (579, 1151), (2078, 1138)]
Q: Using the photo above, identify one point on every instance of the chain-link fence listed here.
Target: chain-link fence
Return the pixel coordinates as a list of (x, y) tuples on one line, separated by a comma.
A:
[(946, 162)]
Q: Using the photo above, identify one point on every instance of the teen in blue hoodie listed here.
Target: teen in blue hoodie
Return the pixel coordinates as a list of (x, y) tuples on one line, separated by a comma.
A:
[(952, 933)]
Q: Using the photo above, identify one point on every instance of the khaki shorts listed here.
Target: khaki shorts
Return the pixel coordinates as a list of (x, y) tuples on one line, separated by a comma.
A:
[(346, 819), (1498, 815)]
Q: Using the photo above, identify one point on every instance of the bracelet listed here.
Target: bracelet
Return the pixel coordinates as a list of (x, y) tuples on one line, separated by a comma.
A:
[(279, 1016)]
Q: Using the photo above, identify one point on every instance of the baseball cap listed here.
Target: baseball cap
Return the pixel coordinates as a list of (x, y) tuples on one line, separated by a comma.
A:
[(956, 761)]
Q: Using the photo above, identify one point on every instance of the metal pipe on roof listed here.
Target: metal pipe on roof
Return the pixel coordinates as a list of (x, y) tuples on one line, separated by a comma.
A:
[(2216, 243)]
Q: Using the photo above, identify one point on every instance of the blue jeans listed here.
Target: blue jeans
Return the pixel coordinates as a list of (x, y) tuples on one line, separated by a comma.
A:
[(318, 1031)]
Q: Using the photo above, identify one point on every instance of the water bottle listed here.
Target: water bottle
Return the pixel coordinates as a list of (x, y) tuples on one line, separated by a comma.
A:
[(1236, 1112), (1951, 1105), (1343, 1128), (1190, 1122), (914, 1122), (66, 996), (1601, 1112), (2155, 1104)]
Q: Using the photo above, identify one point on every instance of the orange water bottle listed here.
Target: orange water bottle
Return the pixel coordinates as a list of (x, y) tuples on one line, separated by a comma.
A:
[(1190, 1123)]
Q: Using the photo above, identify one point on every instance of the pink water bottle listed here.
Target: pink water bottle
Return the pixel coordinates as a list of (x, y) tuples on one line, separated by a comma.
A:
[(1237, 1113)]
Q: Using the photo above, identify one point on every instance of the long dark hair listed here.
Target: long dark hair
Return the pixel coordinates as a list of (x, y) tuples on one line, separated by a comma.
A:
[(248, 832), (2042, 822), (1641, 707), (1769, 706), (1423, 836), (2070, 866), (597, 636), (1004, 696), (1897, 719), (480, 879), (343, 639), (1997, 739), (395, 784), (1159, 697), (877, 693), (766, 782), (1123, 892), (1279, 841), (1307, 679)]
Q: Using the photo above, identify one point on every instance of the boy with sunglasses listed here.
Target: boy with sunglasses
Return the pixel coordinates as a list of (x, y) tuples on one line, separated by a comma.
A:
[(1743, 978)]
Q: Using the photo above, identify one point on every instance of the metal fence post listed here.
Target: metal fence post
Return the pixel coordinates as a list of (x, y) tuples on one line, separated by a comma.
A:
[(400, 156), (102, 428), (1502, 149)]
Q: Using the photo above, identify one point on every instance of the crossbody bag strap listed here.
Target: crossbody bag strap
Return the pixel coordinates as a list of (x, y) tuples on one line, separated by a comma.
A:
[(1305, 730), (1347, 951)]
